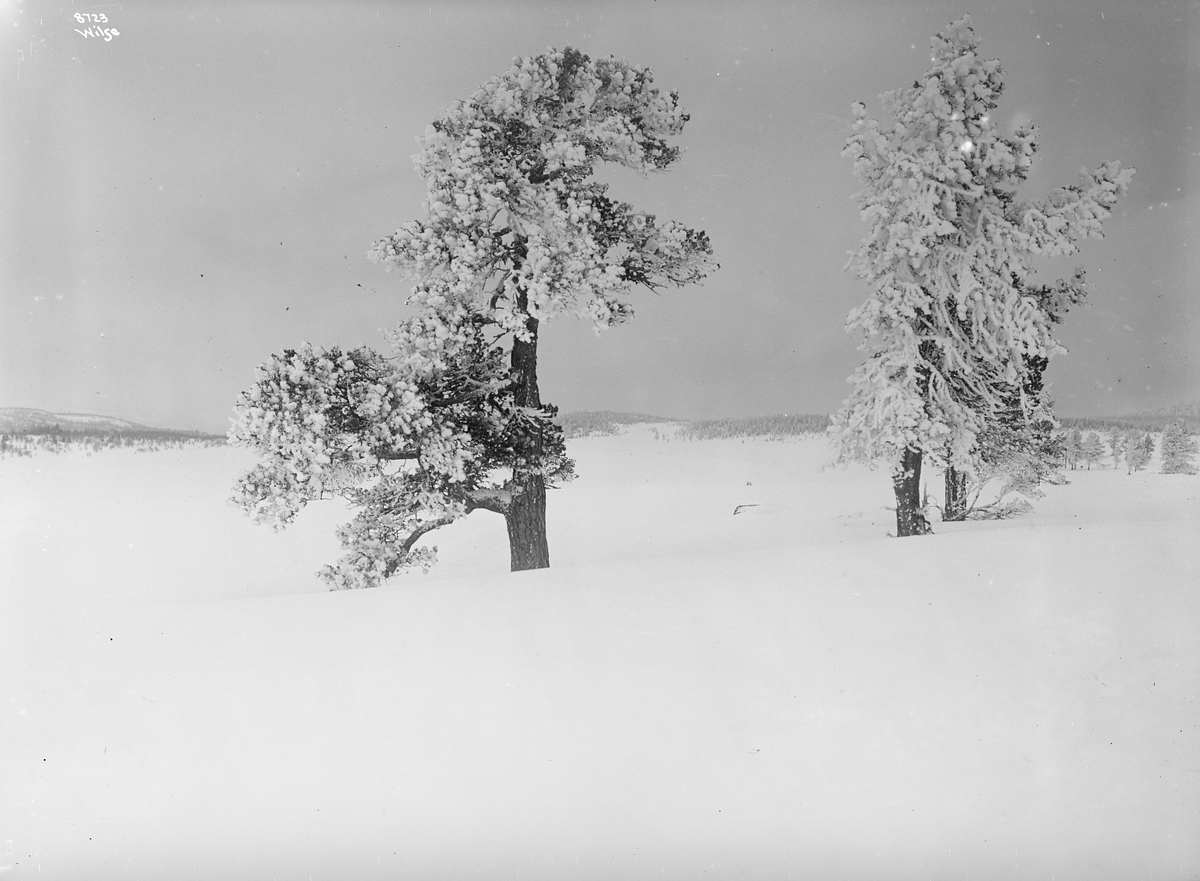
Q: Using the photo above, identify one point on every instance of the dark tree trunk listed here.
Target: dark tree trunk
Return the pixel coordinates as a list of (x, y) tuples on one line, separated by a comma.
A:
[(526, 516), (526, 521), (955, 507), (910, 519)]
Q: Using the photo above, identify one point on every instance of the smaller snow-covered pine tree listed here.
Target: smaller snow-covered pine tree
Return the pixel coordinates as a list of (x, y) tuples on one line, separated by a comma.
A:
[(1117, 443), (1178, 451), (1074, 439), (1139, 447), (1092, 449)]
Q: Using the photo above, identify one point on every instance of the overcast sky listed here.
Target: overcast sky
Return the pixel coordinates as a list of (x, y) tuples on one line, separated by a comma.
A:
[(201, 189)]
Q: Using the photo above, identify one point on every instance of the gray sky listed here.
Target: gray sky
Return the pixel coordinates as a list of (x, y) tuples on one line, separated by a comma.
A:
[(181, 200)]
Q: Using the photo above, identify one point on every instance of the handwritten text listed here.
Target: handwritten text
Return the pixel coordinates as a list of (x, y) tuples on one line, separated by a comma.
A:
[(92, 19)]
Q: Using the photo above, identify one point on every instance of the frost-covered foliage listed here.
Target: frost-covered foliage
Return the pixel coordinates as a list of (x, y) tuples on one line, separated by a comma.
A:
[(952, 323), (515, 228), (411, 446), (1021, 452), (1020, 443), (1178, 451)]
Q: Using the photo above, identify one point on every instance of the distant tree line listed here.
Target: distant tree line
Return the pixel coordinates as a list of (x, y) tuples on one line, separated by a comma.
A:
[(608, 422), (55, 439), (1155, 422), (786, 425), (602, 422)]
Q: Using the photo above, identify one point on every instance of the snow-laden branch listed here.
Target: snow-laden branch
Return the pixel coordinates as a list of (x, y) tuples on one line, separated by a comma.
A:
[(327, 422)]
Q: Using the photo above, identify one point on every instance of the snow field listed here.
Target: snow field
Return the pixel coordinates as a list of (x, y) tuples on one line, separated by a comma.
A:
[(685, 693)]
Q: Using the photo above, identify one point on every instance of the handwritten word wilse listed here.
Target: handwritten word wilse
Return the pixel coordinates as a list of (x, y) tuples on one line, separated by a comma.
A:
[(92, 19)]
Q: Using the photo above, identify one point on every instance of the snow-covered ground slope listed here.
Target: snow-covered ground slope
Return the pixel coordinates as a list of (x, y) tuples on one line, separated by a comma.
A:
[(686, 694)]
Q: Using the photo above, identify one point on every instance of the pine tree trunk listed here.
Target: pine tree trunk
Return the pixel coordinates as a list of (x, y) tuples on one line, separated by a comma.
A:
[(955, 507), (906, 481), (526, 517), (910, 519), (526, 521)]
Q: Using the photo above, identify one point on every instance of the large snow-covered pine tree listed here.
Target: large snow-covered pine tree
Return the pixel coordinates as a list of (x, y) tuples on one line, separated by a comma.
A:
[(950, 325), (516, 231)]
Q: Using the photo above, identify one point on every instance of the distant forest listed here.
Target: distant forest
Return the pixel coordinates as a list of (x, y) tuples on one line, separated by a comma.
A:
[(600, 422), (58, 438), (1187, 416)]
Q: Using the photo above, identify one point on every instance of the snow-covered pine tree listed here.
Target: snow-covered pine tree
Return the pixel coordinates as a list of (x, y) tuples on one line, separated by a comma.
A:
[(1092, 449), (1074, 438), (1117, 443), (1128, 446), (516, 231), (1178, 450), (1138, 448), (950, 325), (1148, 444)]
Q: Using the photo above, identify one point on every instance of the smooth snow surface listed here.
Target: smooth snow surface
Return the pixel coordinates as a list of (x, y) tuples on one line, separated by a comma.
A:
[(687, 693)]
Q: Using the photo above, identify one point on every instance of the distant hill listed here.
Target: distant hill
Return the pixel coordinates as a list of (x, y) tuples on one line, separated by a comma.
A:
[(27, 420), (24, 420)]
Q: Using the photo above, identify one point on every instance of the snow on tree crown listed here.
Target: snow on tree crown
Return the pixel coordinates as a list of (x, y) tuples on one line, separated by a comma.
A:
[(951, 319), (514, 227)]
